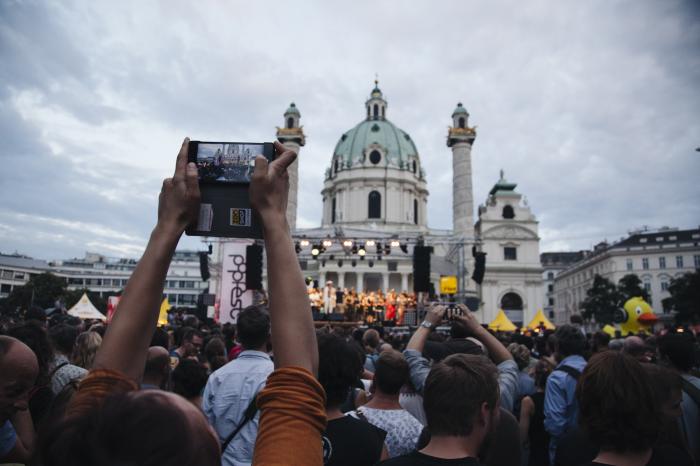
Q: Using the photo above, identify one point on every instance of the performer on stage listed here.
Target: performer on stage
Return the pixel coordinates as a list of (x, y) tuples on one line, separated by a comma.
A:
[(390, 304), (328, 297)]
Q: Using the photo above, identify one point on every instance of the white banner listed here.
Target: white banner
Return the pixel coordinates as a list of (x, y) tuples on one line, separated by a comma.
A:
[(234, 296)]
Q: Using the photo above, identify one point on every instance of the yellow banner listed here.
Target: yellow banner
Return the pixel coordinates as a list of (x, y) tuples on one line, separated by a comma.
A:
[(448, 284)]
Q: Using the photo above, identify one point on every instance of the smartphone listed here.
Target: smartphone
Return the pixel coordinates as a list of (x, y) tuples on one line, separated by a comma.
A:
[(452, 310), (225, 170)]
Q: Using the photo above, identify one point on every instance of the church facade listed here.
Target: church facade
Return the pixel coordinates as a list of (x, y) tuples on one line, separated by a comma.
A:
[(375, 204)]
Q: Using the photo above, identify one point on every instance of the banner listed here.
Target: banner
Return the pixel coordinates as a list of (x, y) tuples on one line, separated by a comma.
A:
[(112, 303), (234, 296)]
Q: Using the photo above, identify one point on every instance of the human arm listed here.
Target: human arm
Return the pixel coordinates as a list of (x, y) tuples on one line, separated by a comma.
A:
[(125, 346), (420, 336), (555, 405), (21, 452), (293, 335), (527, 408), (418, 365)]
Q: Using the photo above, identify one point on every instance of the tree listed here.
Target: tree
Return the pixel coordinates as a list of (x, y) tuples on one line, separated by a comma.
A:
[(685, 296), (602, 300), (41, 290), (630, 286)]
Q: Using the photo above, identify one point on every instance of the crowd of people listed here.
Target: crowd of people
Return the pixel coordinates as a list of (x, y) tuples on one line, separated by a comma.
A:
[(274, 390)]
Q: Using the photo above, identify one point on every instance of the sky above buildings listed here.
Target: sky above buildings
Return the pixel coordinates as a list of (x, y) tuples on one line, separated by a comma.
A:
[(591, 107)]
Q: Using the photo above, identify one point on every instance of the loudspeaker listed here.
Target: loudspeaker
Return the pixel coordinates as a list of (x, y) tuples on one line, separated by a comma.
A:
[(253, 267), (479, 265), (204, 265), (421, 268)]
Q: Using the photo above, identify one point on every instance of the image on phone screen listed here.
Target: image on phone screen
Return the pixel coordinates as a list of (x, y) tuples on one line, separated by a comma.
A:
[(227, 162)]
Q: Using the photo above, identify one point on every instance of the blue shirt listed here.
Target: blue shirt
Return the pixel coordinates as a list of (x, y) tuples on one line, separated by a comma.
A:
[(560, 406), (227, 394), (526, 385), (8, 438)]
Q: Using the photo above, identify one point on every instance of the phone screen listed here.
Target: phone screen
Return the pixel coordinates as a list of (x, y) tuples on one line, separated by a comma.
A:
[(227, 162)]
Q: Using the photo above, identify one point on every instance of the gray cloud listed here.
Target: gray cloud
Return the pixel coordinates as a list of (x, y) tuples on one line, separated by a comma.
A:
[(591, 107)]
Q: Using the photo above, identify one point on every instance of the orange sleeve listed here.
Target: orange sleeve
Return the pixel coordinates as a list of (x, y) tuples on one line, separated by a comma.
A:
[(94, 388), (292, 418)]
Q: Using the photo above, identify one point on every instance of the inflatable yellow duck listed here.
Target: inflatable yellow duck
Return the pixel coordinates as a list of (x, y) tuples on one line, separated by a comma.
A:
[(636, 316)]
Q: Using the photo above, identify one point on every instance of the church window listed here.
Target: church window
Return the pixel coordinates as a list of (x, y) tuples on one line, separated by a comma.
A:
[(336, 165), (414, 166), (290, 122), (510, 253), (383, 110), (461, 122), (375, 157), (415, 211), (368, 112), (508, 212), (374, 205), (376, 111), (333, 211)]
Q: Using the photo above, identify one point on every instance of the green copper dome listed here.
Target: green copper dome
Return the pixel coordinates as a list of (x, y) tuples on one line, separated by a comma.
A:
[(394, 142), (460, 110), (292, 109)]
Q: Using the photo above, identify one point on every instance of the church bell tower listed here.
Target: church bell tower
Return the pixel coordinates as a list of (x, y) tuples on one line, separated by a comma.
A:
[(292, 137)]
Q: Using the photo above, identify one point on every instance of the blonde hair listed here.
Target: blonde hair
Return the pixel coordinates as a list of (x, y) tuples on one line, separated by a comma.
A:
[(85, 348)]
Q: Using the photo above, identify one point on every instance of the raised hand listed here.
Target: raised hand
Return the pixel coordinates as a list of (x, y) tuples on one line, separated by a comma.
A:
[(178, 203), (435, 314), (269, 185)]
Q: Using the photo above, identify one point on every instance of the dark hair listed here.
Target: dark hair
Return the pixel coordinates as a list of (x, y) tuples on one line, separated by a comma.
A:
[(127, 429), (601, 340), (458, 329), (569, 341), (157, 366), (35, 313), (160, 338), (34, 335), (664, 381), (339, 367), (189, 378), (371, 338), (391, 372), (617, 407), (678, 349), (455, 390), (253, 327), (215, 352), (190, 333), (63, 337), (542, 371)]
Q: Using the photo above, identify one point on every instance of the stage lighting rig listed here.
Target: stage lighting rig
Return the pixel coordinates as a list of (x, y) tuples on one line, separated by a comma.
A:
[(327, 243), (304, 243)]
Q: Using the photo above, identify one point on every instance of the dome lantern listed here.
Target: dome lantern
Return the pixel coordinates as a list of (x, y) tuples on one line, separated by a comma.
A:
[(376, 105)]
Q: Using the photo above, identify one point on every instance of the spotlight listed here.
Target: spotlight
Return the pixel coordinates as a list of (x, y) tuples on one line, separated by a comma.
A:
[(379, 257), (395, 243), (371, 263), (331, 257), (362, 252), (304, 243), (387, 249), (327, 243), (369, 243), (297, 247), (362, 258), (379, 248), (347, 243), (404, 248), (315, 251)]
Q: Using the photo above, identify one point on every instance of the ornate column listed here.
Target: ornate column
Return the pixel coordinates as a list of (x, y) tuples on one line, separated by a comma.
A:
[(292, 136)]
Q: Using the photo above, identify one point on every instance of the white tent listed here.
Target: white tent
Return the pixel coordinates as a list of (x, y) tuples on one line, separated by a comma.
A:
[(85, 310)]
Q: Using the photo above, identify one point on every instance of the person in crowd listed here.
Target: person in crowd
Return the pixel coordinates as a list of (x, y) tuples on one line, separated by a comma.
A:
[(532, 431), (383, 409), (188, 381), (618, 412), (158, 427), (560, 407), (19, 368), (461, 405), (458, 343), (33, 334), (678, 351), (215, 353), (62, 371), (599, 342), (233, 388), (156, 374), (346, 440), (637, 348), (420, 367), (521, 356), (371, 341), (190, 346), (85, 349)]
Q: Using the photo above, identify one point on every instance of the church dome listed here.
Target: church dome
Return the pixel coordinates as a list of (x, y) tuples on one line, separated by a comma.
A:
[(356, 143)]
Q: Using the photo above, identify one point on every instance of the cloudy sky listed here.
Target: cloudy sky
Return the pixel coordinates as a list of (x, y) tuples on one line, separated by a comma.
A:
[(591, 107)]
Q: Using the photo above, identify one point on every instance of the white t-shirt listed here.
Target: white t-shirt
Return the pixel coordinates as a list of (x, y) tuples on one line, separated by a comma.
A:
[(401, 427)]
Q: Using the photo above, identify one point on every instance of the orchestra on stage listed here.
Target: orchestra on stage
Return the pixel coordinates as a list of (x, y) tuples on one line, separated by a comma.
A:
[(347, 304)]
